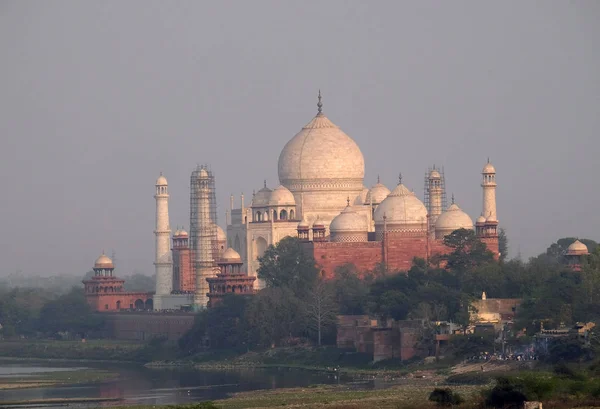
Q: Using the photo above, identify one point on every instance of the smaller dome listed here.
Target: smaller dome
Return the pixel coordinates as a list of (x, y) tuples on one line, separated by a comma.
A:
[(480, 220), (377, 193), (203, 173), (348, 221), (488, 168), (221, 236), (318, 223), (262, 197), (104, 262), (577, 248), (281, 196), (362, 198), (230, 255), (434, 174), (491, 219), (453, 219), (161, 181), (303, 224)]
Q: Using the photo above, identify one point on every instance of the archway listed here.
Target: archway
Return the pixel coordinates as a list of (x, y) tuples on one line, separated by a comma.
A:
[(139, 304), (118, 305), (149, 304), (283, 214), (261, 247)]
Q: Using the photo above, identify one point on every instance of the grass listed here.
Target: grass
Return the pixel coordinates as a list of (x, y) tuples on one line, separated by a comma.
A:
[(53, 378)]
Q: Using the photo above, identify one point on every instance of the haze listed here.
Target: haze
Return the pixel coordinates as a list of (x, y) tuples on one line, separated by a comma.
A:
[(97, 98)]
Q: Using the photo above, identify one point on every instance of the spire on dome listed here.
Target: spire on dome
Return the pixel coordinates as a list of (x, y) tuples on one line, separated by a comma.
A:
[(378, 181), (452, 198), (348, 201), (320, 105), (400, 178), (265, 183)]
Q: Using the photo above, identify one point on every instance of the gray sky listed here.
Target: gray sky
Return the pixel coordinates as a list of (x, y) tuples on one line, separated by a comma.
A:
[(96, 98)]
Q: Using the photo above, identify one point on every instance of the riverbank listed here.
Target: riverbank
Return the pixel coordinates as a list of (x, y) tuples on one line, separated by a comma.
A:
[(92, 350), (54, 378)]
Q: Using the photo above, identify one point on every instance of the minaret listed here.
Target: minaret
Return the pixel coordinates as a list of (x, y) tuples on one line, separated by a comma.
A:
[(163, 263), (205, 267), (489, 192), (434, 185)]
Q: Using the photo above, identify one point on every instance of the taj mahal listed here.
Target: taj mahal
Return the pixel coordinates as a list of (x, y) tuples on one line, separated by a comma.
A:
[(322, 200)]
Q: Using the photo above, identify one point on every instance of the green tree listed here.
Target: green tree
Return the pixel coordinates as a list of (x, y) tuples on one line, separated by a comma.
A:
[(226, 324), (288, 265), (350, 291), (467, 250), (502, 244), (69, 313)]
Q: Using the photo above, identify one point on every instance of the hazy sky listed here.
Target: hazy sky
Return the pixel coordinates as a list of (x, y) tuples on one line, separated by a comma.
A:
[(96, 98)]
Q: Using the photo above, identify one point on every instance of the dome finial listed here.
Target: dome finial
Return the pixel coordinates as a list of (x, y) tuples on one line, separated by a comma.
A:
[(488, 159), (320, 105), (452, 198), (378, 179), (265, 182), (348, 201), (400, 178)]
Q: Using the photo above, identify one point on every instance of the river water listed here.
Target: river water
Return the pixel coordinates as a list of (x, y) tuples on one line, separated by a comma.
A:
[(140, 385)]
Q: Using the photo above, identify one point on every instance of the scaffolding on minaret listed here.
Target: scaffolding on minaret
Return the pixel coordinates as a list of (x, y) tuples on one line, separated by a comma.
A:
[(435, 199), (203, 229)]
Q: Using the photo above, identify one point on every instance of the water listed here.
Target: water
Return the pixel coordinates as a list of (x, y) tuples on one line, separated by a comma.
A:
[(139, 385)]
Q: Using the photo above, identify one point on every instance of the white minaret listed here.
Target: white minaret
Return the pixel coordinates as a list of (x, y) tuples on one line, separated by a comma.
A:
[(435, 196), (489, 192), (205, 267), (163, 262)]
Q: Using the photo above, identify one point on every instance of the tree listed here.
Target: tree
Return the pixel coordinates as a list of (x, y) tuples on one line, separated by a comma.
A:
[(467, 250), (502, 244), (349, 291), (226, 325), (69, 313), (287, 265), (274, 315), (320, 308)]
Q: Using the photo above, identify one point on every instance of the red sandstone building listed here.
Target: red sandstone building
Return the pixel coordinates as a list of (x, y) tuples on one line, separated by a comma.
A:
[(104, 291), (231, 279)]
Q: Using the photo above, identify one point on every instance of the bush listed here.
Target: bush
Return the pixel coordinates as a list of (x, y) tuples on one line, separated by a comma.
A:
[(505, 395), (445, 397)]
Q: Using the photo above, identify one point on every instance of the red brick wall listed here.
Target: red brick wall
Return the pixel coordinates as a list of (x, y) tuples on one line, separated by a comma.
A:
[(107, 302), (383, 345), (144, 326), (398, 252)]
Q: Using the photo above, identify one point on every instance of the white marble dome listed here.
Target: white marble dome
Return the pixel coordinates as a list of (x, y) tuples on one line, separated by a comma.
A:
[(322, 167), (348, 226), (452, 219), (221, 236), (403, 210), (281, 196), (488, 168), (230, 255), (362, 198), (321, 150), (161, 181), (377, 193), (481, 220), (262, 197)]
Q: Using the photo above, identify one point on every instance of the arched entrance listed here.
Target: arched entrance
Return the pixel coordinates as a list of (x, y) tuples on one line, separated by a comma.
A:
[(149, 304), (139, 304), (261, 247)]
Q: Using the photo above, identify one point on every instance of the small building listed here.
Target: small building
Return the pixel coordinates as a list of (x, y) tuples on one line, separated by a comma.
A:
[(575, 253), (104, 291), (231, 279)]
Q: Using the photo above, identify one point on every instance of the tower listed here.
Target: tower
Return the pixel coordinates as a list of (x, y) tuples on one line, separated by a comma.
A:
[(163, 263), (489, 199), (203, 232), (435, 196)]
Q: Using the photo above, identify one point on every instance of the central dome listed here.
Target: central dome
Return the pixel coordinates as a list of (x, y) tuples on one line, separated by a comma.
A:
[(321, 151), (321, 166)]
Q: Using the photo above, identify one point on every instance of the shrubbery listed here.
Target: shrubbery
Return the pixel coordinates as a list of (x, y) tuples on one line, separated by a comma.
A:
[(445, 397)]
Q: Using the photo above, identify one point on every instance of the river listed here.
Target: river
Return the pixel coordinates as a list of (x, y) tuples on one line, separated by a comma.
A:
[(140, 385)]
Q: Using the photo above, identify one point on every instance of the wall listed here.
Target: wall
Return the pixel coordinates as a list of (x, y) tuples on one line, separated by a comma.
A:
[(145, 326), (107, 302)]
